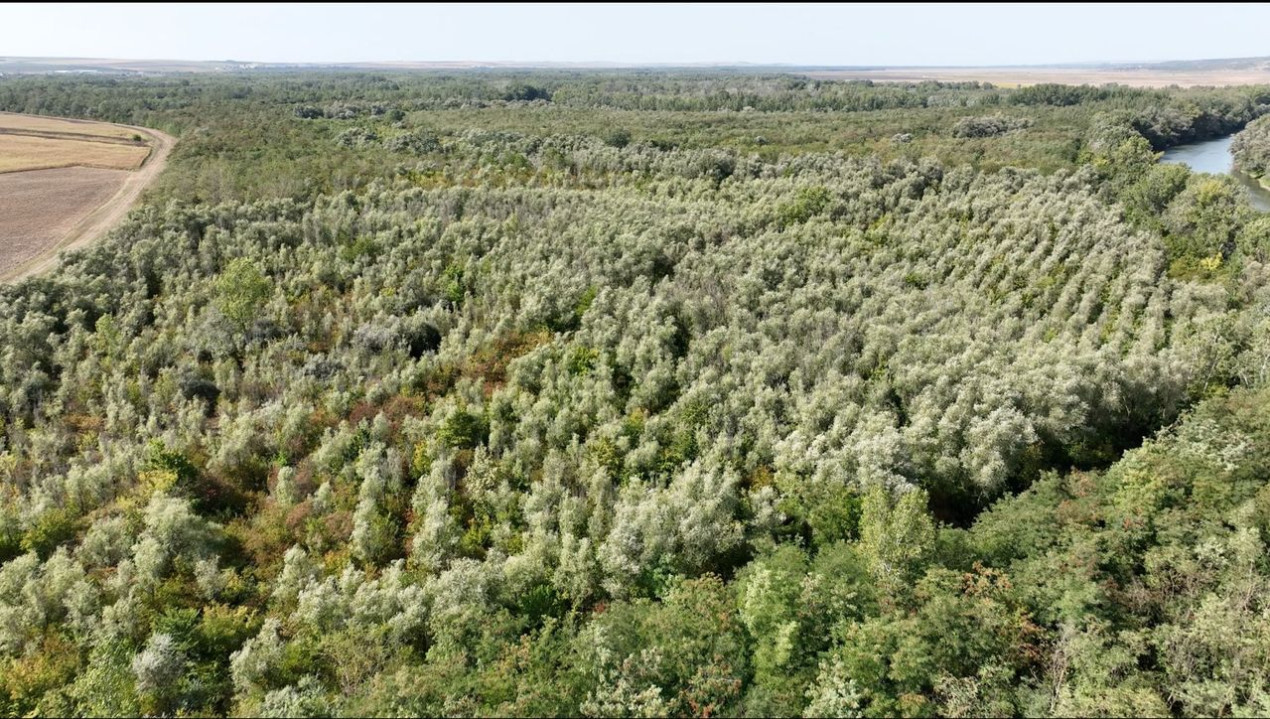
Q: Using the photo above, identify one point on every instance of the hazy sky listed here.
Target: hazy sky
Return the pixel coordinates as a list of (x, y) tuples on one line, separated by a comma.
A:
[(795, 34)]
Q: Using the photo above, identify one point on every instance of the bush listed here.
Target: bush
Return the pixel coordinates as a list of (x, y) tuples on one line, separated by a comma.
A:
[(989, 125)]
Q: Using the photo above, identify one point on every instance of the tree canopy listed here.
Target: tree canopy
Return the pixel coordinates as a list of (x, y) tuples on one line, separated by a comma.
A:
[(560, 394)]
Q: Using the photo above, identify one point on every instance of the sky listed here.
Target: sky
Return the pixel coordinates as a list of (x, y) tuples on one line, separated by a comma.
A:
[(848, 34)]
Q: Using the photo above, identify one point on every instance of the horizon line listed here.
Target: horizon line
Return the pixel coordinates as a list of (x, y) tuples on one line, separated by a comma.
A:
[(608, 63)]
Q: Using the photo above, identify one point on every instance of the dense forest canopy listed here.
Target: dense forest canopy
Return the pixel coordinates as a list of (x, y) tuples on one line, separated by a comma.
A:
[(617, 394)]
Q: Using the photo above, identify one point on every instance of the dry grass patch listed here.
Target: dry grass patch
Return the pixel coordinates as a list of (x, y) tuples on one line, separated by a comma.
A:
[(26, 152)]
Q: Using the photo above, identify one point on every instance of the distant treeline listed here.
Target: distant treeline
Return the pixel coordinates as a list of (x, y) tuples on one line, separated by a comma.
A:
[(248, 136), (1167, 115)]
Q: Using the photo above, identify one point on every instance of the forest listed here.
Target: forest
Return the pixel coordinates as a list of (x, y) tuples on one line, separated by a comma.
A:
[(644, 394)]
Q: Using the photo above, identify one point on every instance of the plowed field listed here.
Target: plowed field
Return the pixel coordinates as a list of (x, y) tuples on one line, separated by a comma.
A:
[(64, 183)]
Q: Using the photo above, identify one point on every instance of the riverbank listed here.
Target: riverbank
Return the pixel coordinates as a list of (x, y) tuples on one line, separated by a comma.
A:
[(1213, 156)]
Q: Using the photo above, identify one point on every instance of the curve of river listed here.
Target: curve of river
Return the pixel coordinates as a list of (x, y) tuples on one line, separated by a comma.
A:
[(1214, 156)]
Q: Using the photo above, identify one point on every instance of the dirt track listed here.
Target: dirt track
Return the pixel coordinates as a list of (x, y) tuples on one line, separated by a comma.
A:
[(104, 217)]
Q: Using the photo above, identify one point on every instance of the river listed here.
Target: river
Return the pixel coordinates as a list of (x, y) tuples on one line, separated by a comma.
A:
[(1214, 156)]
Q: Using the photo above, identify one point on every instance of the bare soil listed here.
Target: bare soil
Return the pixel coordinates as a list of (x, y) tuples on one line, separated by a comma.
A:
[(40, 207), (44, 212)]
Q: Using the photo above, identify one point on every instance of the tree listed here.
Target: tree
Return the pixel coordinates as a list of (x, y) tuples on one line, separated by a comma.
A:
[(897, 536), (240, 291), (1251, 148)]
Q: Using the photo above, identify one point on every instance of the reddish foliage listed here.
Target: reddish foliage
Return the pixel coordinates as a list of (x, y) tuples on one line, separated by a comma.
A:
[(338, 526), (298, 515)]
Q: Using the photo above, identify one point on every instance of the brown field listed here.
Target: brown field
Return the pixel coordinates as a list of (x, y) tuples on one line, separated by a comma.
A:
[(64, 183), (30, 142), (28, 152), (39, 208), (1017, 76), (63, 126)]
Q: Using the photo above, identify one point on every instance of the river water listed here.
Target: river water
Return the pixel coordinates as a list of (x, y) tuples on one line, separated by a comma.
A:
[(1214, 156)]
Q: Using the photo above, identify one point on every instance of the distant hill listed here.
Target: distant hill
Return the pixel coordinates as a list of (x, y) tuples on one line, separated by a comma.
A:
[(1238, 63)]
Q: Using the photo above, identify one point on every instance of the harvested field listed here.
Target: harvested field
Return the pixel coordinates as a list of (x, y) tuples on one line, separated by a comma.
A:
[(28, 152), (58, 125), (39, 208), (64, 183)]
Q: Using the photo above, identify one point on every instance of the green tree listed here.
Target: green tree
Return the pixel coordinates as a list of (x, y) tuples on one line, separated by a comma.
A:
[(240, 291), (897, 537)]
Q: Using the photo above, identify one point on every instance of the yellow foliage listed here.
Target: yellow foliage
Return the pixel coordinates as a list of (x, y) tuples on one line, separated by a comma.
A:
[(24, 680), (421, 460), (1210, 191), (157, 480)]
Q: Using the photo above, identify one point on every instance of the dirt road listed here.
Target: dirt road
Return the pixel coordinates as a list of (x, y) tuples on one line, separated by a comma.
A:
[(108, 214)]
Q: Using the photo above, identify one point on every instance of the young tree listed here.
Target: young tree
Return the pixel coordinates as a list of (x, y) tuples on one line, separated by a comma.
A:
[(240, 291)]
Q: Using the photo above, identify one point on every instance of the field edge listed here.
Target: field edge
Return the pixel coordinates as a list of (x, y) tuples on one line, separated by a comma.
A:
[(105, 216)]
